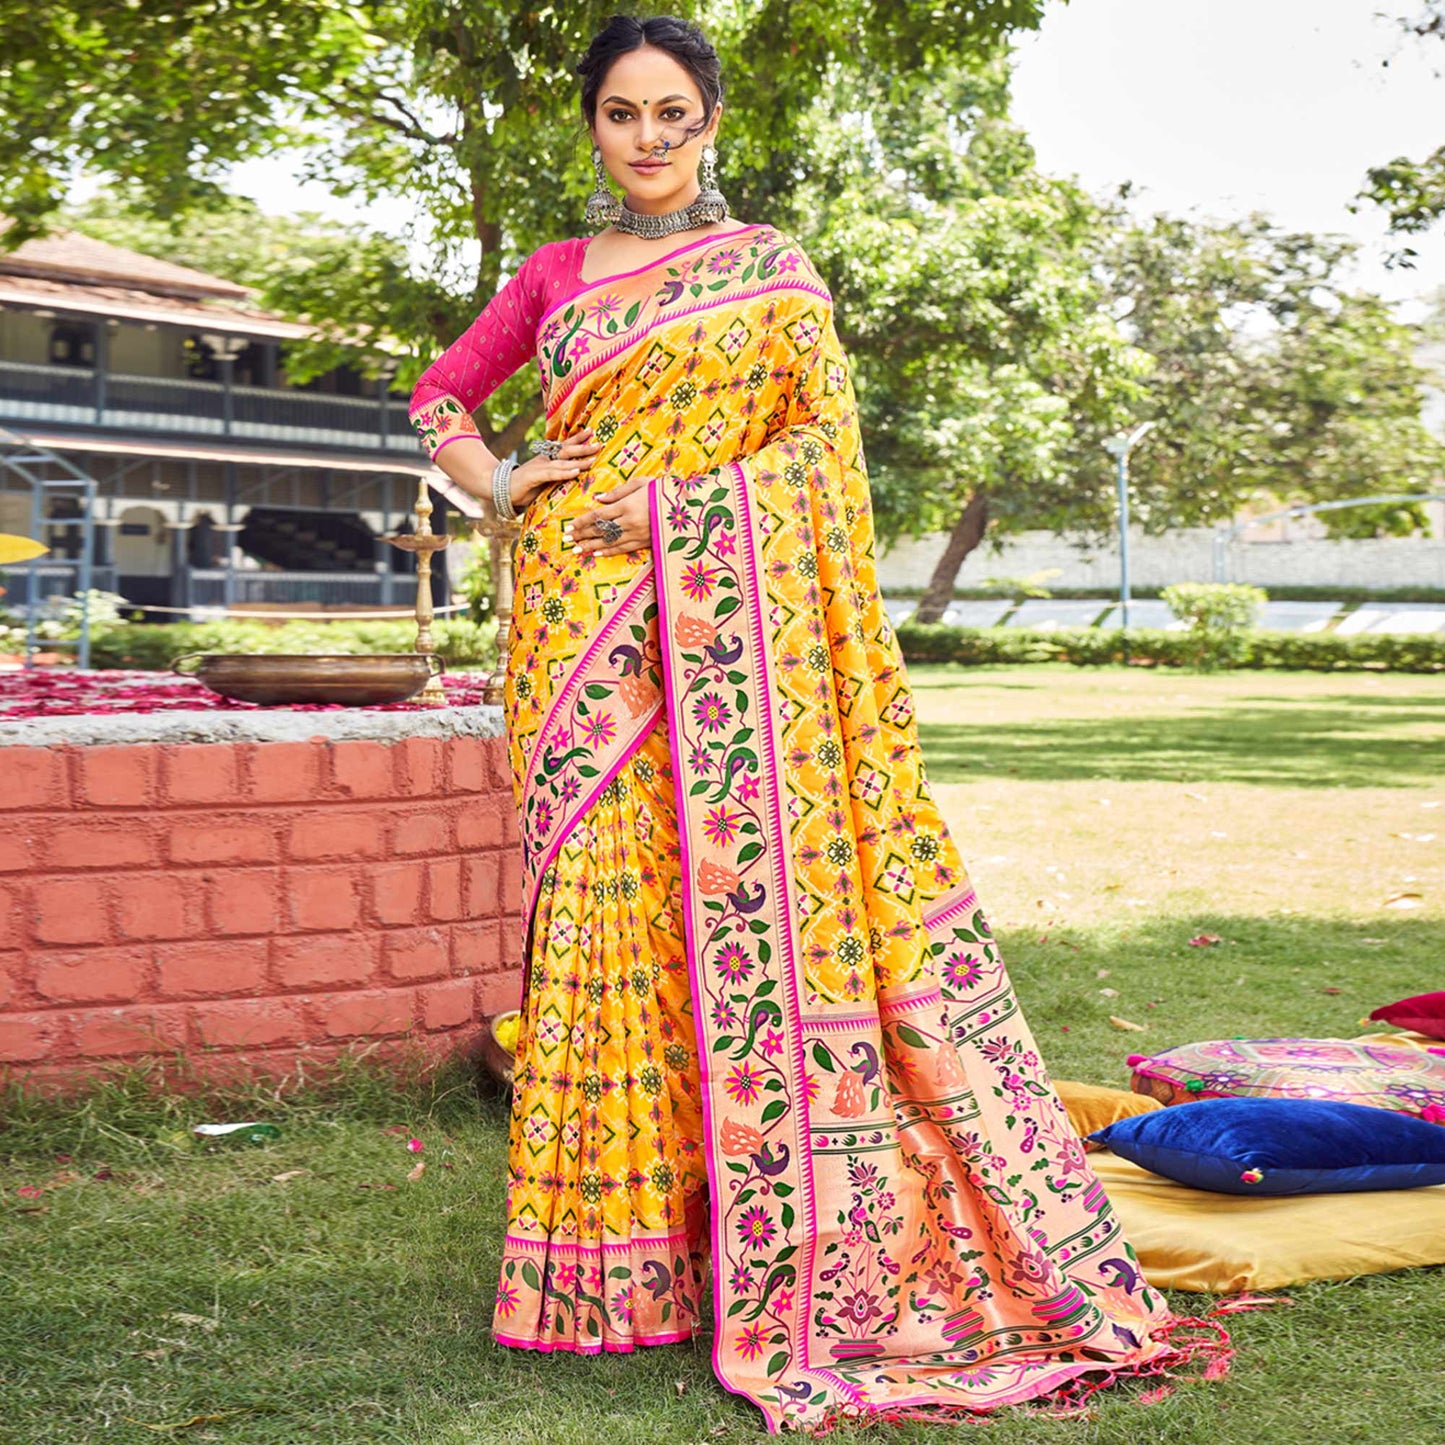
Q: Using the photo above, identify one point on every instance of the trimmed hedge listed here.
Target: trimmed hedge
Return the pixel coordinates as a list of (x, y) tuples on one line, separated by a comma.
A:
[(151, 647), (1093, 647)]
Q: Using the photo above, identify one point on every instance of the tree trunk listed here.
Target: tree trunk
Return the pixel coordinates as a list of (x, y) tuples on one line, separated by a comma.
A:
[(966, 535)]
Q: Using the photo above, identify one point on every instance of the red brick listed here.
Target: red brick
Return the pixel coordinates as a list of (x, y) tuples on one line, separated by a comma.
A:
[(322, 898), (99, 975), (190, 970), (418, 767), (446, 1005), (467, 769), (511, 882), (444, 889), (17, 845), (424, 831), (249, 1023), (312, 962), (222, 842), (201, 772), (120, 843), (482, 885), (396, 893), (11, 932), (33, 778), (324, 833), (154, 907), (347, 1015), (362, 769), (477, 948), (417, 953), (498, 993), (24, 1038), (284, 772), (9, 971), (500, 762), (514, 939), (480, 824), (70, 910), (119, 776), (128, 1032), (243, 901)]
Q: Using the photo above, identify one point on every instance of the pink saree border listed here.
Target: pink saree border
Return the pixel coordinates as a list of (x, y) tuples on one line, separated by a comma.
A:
[(590, 364), (539, 851), (606, 1347), (584, 286)]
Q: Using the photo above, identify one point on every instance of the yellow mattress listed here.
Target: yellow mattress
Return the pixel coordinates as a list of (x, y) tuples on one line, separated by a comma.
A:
[(1220, 1243)]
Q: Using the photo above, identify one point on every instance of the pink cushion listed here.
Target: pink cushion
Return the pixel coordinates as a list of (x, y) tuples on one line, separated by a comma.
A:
[(1409, 1080), (1424, 1013)]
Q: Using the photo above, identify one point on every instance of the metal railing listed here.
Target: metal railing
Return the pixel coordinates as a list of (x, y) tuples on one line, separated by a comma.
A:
[(206, 587), (51, 579), (177, 405)]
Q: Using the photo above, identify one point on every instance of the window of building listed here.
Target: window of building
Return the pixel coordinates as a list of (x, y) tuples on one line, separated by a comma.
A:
[(72, 343)]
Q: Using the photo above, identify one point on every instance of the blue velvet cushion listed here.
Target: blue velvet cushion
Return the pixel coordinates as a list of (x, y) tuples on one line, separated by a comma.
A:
[(1282, 1146)]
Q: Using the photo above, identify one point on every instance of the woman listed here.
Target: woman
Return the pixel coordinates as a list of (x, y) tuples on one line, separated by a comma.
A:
[(765, 1027)]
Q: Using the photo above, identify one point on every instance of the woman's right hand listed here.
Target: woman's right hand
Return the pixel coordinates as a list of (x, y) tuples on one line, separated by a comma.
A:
[(578, 453)]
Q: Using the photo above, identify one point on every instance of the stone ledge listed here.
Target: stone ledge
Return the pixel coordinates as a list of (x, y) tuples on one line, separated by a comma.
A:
[(269, 726)]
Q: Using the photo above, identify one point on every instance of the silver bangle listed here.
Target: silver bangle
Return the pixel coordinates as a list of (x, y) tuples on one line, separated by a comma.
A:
[(502, 490)]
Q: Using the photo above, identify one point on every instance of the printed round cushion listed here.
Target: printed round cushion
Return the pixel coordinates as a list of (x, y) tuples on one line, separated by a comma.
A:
[(1384, 1076)]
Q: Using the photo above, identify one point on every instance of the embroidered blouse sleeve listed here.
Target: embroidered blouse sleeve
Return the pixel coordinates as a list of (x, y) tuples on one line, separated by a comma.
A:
[(496, 344)]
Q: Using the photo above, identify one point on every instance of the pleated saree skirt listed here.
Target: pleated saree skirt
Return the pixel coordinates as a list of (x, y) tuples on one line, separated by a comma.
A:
[(606, 1241)]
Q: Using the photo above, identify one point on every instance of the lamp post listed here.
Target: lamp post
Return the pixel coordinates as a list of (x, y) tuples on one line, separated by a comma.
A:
[(1119, 448)]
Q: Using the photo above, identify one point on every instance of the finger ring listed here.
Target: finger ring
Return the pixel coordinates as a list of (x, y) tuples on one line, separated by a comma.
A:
[(610, 530), (547, 447)]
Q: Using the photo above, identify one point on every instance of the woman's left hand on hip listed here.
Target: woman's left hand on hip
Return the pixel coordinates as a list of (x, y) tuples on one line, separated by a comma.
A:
[(626, 507)]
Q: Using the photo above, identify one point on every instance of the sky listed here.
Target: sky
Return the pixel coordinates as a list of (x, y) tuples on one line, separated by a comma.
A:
[(1220, 107), (1211, 107)]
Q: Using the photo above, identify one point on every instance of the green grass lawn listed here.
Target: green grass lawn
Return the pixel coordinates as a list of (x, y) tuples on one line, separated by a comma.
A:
[(308, 1291)]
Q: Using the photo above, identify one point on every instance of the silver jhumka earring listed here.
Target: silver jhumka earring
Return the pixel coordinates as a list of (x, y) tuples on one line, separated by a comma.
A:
[(603, 208)]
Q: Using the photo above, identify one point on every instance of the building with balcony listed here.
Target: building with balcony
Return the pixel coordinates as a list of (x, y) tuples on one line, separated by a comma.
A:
[(217, 479)]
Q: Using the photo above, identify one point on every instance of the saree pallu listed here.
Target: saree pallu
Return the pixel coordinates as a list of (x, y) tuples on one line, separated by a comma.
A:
[(766, 1030)]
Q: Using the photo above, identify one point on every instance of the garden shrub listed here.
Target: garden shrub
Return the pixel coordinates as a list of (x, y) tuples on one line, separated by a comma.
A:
[(152, 646), (1095, 647), (1217, 615)]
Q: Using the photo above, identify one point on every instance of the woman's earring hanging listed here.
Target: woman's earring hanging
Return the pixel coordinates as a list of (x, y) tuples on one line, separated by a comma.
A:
[(602, 206), (711, 202)]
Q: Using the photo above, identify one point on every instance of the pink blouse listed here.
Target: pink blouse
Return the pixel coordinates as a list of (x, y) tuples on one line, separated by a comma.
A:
[(502, 339)]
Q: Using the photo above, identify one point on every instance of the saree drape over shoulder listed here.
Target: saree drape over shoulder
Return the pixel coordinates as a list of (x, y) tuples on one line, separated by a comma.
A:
[(766, 1030)]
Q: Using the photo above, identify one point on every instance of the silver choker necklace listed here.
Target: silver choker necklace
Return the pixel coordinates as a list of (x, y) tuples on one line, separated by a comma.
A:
[(706, 209)]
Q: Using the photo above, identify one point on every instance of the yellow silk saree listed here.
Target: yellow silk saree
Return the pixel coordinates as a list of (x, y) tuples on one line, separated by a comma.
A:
[(766, 1034)]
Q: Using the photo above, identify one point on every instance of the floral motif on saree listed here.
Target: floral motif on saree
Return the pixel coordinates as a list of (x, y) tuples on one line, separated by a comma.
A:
[(761, 998)]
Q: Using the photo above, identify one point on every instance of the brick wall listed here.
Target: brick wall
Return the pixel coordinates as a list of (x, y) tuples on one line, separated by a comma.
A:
[(244, 903)]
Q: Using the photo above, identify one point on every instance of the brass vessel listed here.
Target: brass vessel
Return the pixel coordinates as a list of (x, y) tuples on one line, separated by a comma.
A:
[(364, 680)]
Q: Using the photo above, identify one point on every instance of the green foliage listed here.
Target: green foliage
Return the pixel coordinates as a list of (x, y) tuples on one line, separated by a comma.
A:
[(1097, 647), (1217, 614), (152, 647), (1412, 192)]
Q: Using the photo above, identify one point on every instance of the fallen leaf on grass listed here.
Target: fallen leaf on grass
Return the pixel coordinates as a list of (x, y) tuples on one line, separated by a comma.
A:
[(30, 1191), (205, 1322), (681, 1387), (1332, 990), (288, 1176), (1126, 1024), (376, 1186), (1205, 940), (1109, 993), (1402, 900), (1198, 797), (1102, 973), (1238, 1304), (414, 1174)]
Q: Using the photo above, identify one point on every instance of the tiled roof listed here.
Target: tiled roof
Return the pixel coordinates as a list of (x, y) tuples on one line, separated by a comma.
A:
[(67, 255), (131, 304)]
